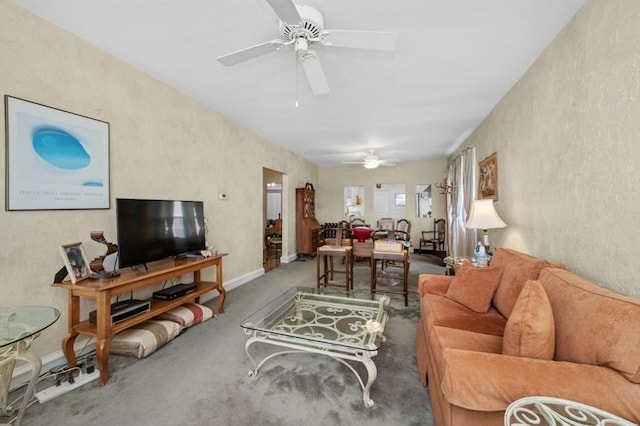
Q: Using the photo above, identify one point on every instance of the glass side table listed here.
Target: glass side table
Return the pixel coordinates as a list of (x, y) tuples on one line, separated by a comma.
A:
[(19, 326), (452, 264)]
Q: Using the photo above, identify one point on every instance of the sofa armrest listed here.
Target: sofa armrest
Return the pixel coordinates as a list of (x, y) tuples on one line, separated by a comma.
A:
[(490, 382), (433, 284)]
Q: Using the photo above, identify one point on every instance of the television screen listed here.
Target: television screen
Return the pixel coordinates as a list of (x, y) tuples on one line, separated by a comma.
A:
[(151, 230)]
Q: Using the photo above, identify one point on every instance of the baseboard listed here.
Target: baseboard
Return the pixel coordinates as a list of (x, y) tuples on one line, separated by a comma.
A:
[(234, 283), (22, 373), (288, 259)]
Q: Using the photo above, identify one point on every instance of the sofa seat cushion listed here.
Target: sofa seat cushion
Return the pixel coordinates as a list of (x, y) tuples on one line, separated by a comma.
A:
[(517, 268), (442, 339), (490, 382), (475, 287), (439, 310), (594, 325), (530, 330)]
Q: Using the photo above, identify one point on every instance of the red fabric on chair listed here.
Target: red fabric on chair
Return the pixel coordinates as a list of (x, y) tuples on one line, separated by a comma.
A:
[(362, 233)]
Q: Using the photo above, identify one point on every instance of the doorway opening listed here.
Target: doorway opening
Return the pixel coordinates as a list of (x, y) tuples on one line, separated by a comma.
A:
[(389, 201), (272, 219)]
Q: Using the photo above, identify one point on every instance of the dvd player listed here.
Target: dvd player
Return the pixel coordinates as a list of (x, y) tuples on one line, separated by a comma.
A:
[(120, 311), (174, 292)]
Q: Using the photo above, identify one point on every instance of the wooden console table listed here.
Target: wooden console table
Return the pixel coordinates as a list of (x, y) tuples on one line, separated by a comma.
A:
[(129, 280)]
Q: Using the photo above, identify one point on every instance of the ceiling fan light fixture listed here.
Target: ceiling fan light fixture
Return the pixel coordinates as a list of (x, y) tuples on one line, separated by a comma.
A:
[(371, 163)]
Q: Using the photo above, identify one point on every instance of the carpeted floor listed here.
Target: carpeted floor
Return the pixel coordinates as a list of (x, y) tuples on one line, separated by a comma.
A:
[(200, 378)]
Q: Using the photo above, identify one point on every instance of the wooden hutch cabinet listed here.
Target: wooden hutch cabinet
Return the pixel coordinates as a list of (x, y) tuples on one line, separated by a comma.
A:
[(307, 227)]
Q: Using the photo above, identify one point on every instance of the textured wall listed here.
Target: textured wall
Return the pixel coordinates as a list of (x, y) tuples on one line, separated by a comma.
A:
[(568, 152), (163, 145), (330, 204)]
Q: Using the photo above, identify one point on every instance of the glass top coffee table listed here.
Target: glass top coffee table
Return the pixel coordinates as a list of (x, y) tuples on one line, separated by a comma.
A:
[(343, 328), (19, 326)]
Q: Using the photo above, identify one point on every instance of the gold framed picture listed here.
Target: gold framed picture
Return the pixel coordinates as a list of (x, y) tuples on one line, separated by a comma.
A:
[(488, 180), (76, 261)]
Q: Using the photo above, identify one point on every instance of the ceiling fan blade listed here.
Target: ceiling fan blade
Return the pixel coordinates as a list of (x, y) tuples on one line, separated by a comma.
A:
[(374, 40), (250, 52), (286, 11), (315, 75)]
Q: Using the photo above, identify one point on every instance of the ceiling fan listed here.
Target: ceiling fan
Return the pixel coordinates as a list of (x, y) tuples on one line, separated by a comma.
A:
[(302, 27), (372, 161)]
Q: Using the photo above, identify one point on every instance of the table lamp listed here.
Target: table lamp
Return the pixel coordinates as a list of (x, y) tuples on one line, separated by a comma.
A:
[(483, 216)]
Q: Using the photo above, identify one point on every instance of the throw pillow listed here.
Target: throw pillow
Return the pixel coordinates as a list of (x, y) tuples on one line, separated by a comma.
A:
[(530, 330), (474, 287)]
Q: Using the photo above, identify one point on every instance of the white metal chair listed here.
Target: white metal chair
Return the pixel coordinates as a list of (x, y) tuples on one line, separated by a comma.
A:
[(540, 410)]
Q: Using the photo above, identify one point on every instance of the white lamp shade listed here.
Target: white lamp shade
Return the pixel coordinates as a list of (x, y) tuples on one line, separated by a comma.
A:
[(483, 215)]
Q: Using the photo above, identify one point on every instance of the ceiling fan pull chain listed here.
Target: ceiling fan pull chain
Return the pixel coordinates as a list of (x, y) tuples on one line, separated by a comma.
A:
[(297, 73)]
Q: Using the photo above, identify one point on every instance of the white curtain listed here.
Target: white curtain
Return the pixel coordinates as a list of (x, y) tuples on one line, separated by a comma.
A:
[(461, 184)]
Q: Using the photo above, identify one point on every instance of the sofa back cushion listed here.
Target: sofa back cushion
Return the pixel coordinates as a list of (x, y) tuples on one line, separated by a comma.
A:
[(517, 268), (530, 330), (594, 325)]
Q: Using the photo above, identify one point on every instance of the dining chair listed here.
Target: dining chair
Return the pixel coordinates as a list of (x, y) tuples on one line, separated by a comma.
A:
[(357, 221), (435, 238), (403, 230), (334, 243), (386, 223)]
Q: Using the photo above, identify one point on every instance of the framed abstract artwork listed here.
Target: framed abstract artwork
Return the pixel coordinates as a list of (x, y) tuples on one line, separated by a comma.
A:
[(56, 160), (488, 180)]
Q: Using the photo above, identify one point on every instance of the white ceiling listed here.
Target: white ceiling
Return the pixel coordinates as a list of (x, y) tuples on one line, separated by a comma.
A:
[(454, 61)]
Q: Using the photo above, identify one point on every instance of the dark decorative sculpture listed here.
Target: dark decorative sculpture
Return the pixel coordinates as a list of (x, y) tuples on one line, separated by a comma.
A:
[(96, 264)]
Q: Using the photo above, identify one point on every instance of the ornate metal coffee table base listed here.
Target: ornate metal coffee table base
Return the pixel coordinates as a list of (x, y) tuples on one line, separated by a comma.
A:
[(339, 353), (343, 328)]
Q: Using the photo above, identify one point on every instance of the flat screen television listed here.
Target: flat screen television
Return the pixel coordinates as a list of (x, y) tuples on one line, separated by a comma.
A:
[(151, 230)]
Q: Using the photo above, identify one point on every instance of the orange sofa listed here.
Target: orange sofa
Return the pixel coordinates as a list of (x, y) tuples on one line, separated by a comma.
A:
[(523, 327)]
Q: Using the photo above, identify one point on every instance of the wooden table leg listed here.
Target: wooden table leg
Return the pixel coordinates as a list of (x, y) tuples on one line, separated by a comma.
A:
[(406, 279), (222, 294), (318, 272), (103, 338), (74, 318), (373, 276)]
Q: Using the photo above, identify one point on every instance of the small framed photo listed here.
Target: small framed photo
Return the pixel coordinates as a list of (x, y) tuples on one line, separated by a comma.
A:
[(76, 261)]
